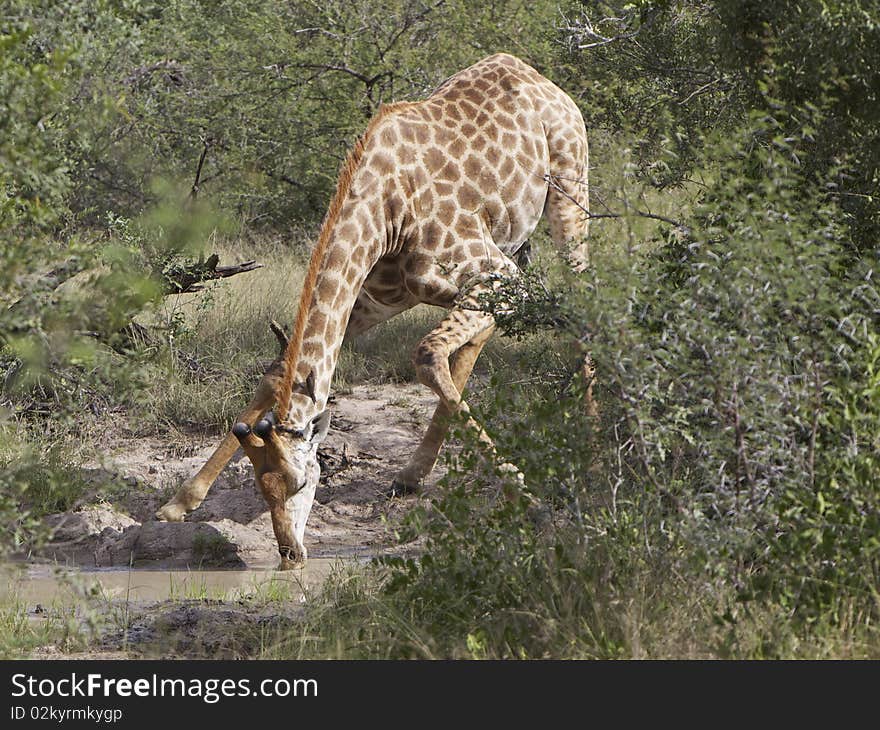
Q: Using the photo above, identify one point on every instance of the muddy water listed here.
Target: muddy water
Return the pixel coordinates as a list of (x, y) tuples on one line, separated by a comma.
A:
[(46, 585)]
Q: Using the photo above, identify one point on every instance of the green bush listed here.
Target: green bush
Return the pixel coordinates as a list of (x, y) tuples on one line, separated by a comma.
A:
[(671, 73), (264, 99), (725, 502), (723, 351)]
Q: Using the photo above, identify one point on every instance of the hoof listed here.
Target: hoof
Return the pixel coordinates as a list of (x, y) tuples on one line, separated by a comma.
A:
[(294, 562), (171, 513), (401, 489), (291, 565)]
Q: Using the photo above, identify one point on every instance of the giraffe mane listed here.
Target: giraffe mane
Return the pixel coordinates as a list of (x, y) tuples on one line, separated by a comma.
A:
[(284, 391)]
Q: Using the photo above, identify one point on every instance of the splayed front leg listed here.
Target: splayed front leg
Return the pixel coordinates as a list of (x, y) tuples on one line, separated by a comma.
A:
[(193, 491)]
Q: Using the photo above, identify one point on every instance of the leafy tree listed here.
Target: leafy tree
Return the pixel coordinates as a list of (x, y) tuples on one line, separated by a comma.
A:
[(65, 291), (671, 72), (266, 98)]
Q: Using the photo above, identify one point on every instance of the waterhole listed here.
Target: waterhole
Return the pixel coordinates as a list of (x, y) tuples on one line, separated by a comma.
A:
[(41, 586)]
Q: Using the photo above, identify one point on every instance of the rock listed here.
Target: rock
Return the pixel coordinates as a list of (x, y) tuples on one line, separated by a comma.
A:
[(195, 545), (86, 522), (74, 536)]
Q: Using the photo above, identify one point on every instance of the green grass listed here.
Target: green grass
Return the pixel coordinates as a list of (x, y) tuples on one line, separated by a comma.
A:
[(218, 340), (67, 622), (21, 633), (46, 482), (354, 617)]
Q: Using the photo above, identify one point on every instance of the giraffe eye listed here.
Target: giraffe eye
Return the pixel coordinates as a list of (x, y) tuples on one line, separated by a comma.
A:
[(296, 433)]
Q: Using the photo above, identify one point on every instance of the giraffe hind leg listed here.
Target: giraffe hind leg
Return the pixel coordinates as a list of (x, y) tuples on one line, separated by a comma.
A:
[(425, 456), (459, 338), (566, 210)]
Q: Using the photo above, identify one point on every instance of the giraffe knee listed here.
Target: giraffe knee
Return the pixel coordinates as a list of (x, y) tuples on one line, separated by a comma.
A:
[(427, 360)]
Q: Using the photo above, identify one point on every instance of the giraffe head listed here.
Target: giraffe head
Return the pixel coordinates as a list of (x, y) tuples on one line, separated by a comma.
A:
[(284, 454), (285, 460)]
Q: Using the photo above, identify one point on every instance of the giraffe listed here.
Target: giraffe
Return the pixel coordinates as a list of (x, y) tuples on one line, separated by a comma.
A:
[(431, 205)]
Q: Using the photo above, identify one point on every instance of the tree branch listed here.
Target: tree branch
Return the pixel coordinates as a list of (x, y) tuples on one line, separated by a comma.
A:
[(194, 191), (184, 279), (552, 181)]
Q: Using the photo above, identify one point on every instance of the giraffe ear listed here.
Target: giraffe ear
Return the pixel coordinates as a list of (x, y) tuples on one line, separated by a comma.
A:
[(307, 388), (320, 426)]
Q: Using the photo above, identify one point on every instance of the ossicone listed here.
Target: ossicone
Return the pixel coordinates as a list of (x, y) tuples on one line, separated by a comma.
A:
[(264, 426)]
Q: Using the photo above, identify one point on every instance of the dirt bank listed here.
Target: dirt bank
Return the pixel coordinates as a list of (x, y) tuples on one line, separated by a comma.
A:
[(373, 432)]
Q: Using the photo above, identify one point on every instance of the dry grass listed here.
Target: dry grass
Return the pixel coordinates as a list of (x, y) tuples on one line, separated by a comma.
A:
[(219, 340)]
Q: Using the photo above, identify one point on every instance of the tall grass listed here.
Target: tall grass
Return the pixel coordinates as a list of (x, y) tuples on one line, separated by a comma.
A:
[(217, 342), (571, 616)]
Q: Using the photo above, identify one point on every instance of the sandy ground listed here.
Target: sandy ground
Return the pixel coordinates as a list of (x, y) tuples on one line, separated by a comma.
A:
[(373, 432), (202, 587)]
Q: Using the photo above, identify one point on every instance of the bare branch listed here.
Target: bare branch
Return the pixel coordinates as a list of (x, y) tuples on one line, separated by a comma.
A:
[(194, 191), (697, 92), (552, 181), (408, 22), (172, 69), (363, 78), (184, 279), (316, 31), (284, 178), (584, 34)]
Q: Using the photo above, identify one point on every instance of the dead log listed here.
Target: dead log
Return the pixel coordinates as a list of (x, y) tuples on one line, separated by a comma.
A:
[(190, 278)]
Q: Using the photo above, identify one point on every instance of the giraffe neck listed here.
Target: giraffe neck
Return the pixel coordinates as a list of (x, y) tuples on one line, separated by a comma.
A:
[(348, 259)]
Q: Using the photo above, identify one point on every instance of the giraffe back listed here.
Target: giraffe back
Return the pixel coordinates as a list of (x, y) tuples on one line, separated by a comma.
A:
[(463, 176)]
